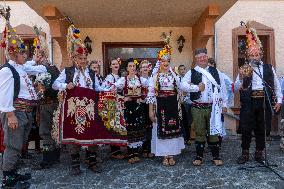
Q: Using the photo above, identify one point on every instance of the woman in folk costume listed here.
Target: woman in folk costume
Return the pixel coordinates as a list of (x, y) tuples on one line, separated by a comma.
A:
[(165, 109), (110, 79), (144, 73), (78, 75), (18, 98), (134, 112), (208, 96)]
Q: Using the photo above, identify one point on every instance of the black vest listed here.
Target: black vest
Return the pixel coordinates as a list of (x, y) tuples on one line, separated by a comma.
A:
[(268, 77), (70, 71), (196, 78), (54, 72), (16, 77)]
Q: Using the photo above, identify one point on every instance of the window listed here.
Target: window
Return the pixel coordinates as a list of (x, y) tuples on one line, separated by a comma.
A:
[(124, 51)]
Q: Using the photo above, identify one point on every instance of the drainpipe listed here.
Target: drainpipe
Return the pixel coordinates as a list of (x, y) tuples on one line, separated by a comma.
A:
[(52, 61), (215, 44)]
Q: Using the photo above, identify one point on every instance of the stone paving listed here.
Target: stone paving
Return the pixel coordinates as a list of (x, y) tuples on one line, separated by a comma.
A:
[(151, 174)]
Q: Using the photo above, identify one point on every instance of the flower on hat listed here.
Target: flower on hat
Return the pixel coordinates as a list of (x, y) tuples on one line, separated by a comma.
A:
[(136, 62), (76, 35), (13, 41), (22, 46), (118, 60), (80, 50)]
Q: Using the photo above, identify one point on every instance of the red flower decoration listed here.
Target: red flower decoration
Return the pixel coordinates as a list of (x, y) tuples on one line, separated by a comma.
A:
[(11, 49), (81, 50), (3, 44)]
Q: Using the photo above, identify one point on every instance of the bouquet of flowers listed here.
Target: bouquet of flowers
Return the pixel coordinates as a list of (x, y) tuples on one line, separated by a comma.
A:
[(42, 82)]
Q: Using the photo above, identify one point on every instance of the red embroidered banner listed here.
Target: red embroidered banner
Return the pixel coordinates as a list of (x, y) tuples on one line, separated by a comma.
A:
[(79, 122)]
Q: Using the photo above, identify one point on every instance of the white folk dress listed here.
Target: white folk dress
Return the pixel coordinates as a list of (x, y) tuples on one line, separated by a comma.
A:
[(163, 147)]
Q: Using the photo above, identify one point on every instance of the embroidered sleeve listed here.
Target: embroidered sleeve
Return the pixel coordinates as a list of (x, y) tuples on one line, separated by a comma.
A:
[(156, 68), (6, 90), (109, 80), (144, 82), (33, 70), (177, 79), (98, 87), (151, 97), (223, 89), (59, 83), (186, 84), (120, 84)]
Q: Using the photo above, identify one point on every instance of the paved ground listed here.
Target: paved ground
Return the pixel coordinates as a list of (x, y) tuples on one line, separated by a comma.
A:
[(151, 174)]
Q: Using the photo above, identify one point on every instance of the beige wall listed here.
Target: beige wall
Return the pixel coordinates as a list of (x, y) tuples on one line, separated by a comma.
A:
[(99, 35), (21, 13), (269, 13)]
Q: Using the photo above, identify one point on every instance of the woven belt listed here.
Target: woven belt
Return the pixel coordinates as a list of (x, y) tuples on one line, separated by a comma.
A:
[(24, 105), (201, 105), (257, 94), (164, 93)]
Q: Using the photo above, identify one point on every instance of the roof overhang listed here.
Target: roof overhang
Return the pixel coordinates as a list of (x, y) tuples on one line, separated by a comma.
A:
[(131, 13)]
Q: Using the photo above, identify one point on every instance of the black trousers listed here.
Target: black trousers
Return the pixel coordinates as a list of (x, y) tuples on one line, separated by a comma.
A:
[(252, 120), (187, 120)]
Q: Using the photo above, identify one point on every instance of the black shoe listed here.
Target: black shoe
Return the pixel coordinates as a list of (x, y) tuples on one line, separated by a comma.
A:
[(244, 157), (258, 156), (25, 177), (75, 170), (44, 165), (49, 158), (17, 185), (75, 165), (16, 181)]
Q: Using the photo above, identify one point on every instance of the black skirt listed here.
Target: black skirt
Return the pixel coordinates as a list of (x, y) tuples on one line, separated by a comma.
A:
[(134, 115), (169, 122)]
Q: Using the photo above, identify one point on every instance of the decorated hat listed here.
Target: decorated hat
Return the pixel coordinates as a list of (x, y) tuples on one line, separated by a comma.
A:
[(166, 52), (40, 42), (253, 43), (75, 45), (11, 42)]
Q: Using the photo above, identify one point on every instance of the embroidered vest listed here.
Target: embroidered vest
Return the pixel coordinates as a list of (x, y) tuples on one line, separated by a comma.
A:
[(16, 77), (196, 78), (70, 72), (268, 77), (129, 91)]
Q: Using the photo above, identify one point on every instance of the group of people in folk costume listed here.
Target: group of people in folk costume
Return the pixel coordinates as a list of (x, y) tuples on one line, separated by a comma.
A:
[(153, 105)]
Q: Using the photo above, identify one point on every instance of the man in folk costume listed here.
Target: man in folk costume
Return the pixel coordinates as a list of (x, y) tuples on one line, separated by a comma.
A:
[(48, 102), (208, 96), (79, 75), (252, 95), (18, 98)]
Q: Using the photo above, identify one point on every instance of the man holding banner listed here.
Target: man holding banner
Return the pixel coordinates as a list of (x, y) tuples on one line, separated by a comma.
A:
[(76, 121)]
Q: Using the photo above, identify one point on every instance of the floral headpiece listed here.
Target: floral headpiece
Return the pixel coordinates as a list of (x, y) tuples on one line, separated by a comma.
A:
[(253, 43), (75, 46), (40, 42), (119, 61), (11, 42), (166, 52), (136, 62)]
